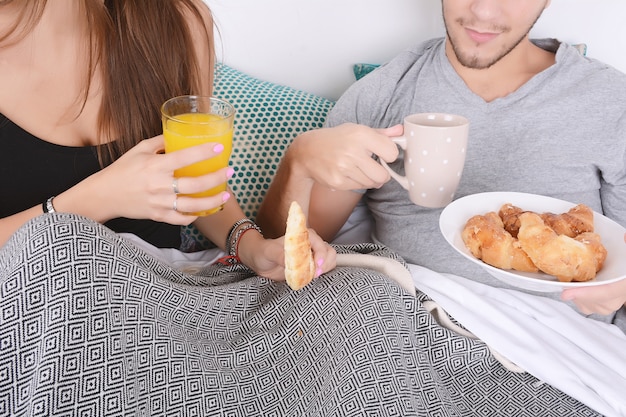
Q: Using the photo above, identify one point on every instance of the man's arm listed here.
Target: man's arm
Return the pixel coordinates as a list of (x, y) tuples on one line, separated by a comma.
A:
[(329, 210), (326, 210), (287, 186), (320, 169)]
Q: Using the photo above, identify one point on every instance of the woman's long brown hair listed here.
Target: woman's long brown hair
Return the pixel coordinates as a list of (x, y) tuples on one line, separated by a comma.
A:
[(145, 51)]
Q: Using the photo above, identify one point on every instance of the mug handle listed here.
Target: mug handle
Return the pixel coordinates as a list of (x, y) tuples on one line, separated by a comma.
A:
[(402, 180)]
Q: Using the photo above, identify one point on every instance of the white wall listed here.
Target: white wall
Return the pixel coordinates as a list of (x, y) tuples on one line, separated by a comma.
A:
[(312, 44)]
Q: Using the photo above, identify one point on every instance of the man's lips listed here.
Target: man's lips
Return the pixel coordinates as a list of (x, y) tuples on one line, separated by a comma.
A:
[(480, 37)]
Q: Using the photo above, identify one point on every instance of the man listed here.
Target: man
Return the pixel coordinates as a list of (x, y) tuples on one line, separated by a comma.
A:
[(543, 119)]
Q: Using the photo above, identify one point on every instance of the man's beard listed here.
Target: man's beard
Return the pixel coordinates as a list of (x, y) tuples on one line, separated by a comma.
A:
[(474, 61)]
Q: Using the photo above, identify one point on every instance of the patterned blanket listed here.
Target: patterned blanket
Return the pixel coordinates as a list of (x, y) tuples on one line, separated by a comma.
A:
[(92, 326)]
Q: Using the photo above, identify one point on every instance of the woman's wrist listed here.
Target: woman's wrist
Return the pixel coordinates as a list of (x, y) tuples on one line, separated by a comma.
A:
[(248, 246), (236, 234), (88, 198), (47, 206)]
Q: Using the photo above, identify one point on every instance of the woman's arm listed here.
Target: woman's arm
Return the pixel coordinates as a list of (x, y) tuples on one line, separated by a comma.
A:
[(137, 186), (9, 225)]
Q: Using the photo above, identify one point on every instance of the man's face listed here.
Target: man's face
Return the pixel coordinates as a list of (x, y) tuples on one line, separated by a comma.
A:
[(482, 32)]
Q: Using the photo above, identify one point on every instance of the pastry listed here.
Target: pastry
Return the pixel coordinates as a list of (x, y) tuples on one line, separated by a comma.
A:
[(577, 220), (563, 245), (510, 218), (486, 238), (567, 258), (299, 265)]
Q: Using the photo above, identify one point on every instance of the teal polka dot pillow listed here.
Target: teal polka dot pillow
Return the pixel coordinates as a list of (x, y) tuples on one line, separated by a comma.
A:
[(268, 117)]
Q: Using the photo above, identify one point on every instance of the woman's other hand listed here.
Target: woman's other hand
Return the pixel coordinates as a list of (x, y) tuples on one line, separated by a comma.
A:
[(267, 256)]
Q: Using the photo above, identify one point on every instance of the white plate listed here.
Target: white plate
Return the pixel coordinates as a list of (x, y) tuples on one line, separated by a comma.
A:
[(456, 214)]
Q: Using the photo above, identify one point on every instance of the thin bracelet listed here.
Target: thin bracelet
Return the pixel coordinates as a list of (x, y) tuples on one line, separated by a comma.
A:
[(240, 235), (232, 231), (47, 206), (234, 240), (233, 247), (229, 238)]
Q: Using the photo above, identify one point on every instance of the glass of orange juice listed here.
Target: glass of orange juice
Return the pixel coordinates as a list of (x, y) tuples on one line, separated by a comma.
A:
[(192, 120)]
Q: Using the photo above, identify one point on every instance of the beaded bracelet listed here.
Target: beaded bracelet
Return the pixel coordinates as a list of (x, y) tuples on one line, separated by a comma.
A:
[(232, 231), (234, 235)]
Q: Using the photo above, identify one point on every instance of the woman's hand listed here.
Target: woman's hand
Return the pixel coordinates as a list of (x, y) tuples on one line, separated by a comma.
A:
[(141, 184), (267, 256), (340, 158)]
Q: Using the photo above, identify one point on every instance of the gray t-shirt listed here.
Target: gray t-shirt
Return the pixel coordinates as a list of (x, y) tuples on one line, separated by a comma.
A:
[(562, 134)]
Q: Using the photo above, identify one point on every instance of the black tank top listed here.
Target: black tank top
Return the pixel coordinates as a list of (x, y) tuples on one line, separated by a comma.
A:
[(32, 170)]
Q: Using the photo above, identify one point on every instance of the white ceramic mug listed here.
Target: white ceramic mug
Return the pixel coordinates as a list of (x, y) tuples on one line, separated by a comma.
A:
[(434, 147)]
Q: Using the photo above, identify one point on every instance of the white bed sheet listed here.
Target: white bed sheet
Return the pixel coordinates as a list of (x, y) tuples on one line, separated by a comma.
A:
[(584, 358)]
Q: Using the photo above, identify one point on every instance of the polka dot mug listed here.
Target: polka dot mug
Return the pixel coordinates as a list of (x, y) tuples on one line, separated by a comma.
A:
[(434, 147)]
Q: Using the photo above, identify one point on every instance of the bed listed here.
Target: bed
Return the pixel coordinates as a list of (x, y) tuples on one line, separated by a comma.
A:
[(527, 334), (101, 344), (304, 61)]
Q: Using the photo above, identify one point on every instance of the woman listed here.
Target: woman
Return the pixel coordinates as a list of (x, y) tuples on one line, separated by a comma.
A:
[(117, 330), (81, 88)]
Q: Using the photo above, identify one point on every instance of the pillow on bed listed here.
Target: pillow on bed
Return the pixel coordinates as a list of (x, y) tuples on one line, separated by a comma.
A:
[(361, 70), (268, 117)]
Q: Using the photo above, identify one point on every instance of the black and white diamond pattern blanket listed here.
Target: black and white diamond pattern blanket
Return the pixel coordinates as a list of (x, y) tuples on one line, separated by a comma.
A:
[(92, 326)]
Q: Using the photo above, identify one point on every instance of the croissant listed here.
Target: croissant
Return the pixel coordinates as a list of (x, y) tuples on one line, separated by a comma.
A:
[(485, 237), (510, 218), (567, 258), (299, 265), (577, 220)]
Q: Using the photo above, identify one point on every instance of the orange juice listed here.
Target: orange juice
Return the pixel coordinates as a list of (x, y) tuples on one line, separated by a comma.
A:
[(189, 129)]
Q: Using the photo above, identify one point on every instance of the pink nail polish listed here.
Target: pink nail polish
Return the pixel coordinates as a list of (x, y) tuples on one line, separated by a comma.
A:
[(218, 148), (230, 172), (318, 272), (225, 197), (320, 262)]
